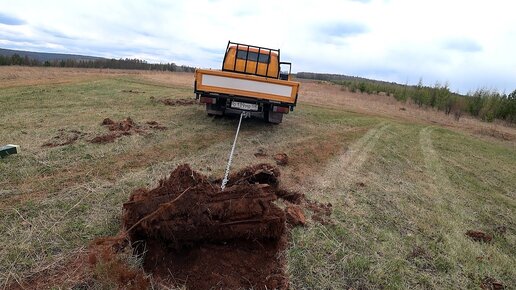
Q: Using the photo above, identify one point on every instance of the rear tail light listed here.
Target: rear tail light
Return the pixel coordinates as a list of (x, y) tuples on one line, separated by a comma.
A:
[(207, 100), (279, 109)]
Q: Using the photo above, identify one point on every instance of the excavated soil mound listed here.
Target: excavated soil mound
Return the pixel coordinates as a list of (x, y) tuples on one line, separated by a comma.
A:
[(197, 235), (124, 128), (174, 102), (191, 233)]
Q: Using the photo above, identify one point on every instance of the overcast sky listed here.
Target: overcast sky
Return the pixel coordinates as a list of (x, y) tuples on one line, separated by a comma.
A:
[(468, 44)]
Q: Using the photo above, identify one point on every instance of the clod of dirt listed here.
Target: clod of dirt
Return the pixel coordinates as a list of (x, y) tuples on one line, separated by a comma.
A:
[(260, 153), (290, 196), (64, 137), (321, 212), (123, 128), (106, 138), (174, 102), (156, 125), (281, 159), (295, 215), (489, 283), (125, 125), (479, 236), (133, 91), (107, 121)]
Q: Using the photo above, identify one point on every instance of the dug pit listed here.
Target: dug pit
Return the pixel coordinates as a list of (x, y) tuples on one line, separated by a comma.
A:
[(191, 233)]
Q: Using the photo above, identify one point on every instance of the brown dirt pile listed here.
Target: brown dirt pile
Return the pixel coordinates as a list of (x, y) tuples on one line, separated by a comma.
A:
[(125, 127), (192, 233), (174, 102), (479, 236), (186, 208)]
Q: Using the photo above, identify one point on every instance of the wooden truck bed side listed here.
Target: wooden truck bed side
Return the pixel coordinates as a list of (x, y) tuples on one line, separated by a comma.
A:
[(248, 86)]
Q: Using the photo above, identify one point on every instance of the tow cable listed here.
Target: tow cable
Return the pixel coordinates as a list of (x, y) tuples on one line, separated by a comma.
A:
[(225, 180)]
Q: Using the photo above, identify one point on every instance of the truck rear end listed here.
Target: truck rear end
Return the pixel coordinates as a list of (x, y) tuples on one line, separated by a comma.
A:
[(252, 79)]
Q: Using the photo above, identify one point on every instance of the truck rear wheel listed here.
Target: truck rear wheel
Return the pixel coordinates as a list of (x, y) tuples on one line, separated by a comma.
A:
[(214, 110), (273, 117)]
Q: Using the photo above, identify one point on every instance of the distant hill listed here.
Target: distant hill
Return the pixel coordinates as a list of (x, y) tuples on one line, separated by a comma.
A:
[(45, 56)]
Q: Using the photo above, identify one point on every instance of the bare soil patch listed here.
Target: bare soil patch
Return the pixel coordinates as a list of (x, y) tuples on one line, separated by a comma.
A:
[(174, 102), (64, 137), (124, 128)]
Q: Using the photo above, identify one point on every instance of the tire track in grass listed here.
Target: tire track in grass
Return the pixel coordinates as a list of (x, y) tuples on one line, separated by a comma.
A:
[(344, 169), (440, 182)]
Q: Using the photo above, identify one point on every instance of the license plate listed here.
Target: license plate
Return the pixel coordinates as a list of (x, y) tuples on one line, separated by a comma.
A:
[(244, 106)]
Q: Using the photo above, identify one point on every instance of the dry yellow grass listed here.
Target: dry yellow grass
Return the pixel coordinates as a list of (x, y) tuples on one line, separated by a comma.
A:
[(312, 92), (13, 76), (331, 95)]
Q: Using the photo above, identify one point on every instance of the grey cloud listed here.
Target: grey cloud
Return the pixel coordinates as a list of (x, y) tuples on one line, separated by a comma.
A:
[(464, 45), (10, 20), (342, 29), (55, 33)]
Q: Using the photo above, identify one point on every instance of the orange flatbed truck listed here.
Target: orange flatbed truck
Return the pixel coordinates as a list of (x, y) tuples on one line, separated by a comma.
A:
[(252, 79)]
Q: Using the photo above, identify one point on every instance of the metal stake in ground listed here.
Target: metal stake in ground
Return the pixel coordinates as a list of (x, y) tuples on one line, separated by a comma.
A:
[(225, 180)]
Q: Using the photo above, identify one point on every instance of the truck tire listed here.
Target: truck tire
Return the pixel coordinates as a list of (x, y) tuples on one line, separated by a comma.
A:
[(273, 117), (214, 110)]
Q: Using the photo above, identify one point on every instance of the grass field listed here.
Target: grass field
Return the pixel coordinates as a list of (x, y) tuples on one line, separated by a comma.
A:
[(405, 185)]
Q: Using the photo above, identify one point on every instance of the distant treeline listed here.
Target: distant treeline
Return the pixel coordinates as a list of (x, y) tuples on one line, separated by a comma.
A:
[(127, 63), (487, 105)]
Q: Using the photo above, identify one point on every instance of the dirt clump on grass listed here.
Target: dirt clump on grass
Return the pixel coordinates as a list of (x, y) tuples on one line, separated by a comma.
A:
[(124, 127), (489, 283), (479, 236), (191, 233), (133, 91), (64, 137), (295, 215), (321, 212), (174, 102), (281, 159)]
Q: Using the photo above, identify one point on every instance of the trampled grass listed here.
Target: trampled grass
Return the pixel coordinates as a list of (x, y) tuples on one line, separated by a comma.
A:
[(404, 193)]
